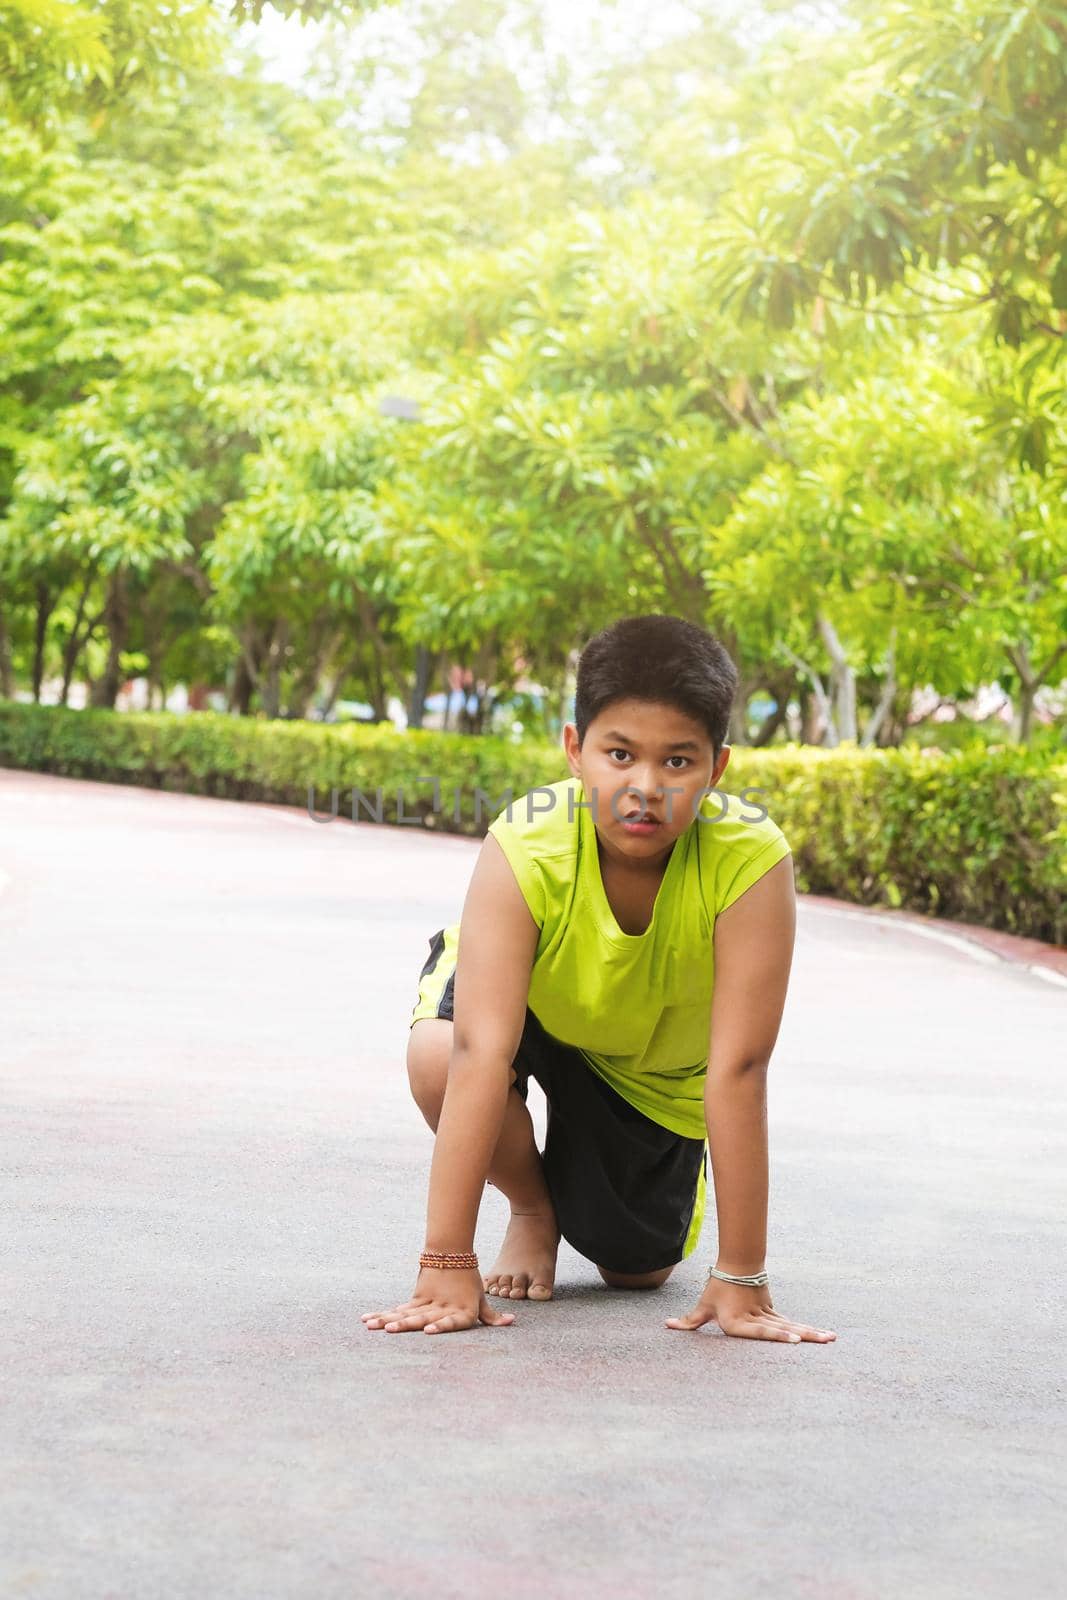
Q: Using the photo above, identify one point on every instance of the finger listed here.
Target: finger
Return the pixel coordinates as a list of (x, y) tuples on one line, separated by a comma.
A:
[(495, 1319), (454, 1322), (695, 1319), (756, 1328), (803, 1329), (762, 1327), (376, 1319), (414, 1319), (397, 1311)]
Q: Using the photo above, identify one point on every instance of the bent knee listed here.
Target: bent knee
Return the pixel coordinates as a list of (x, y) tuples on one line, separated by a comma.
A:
[(428, 1054), (635, 1280), (429, 1047)]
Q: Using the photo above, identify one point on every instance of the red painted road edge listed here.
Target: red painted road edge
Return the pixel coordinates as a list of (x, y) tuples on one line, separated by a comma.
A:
[(1008, 946)]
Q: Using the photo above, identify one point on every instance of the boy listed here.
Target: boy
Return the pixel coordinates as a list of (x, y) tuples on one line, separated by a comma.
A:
[(609, 923)]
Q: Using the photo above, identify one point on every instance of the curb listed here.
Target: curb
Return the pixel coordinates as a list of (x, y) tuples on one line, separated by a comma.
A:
[(988, 945)]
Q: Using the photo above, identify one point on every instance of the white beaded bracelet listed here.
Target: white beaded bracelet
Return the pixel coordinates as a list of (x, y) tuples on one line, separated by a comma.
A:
[(755, 1280)]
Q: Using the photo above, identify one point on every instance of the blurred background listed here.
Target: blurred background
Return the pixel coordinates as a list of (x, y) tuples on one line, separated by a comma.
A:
[(359, 360)]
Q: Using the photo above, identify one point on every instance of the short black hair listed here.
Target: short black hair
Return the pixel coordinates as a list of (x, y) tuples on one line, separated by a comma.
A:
[(659, 658)]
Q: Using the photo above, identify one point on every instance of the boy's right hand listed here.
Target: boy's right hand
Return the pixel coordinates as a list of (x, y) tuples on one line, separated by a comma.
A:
[(446, 1300)]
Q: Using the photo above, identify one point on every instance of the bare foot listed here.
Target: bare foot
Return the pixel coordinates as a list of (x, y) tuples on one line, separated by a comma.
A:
[(525, 1269)]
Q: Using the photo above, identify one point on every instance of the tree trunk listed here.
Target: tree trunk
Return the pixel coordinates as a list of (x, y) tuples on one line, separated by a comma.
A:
[(75, 644), (7, 682), (117, 620), (770, 725), (242, 687), (348, 665), (446, 714), (485, 673), (1024, 711), (379, 688), (737, 732), (782, 686), (809, 717), (420, 684), (301, 693), (843, 682), (474, 722), (271, 688), (1023, 700), (1031, 678), (322, 644), (895, 724), (45, 607), (154, 649), (887, 696), (818, 704)]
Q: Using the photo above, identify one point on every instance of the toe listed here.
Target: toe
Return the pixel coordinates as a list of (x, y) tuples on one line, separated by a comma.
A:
[(520, 1284), (540, 1291)]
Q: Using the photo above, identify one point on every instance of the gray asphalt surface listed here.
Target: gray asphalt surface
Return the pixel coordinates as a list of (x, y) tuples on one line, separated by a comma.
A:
[(211, 1166)]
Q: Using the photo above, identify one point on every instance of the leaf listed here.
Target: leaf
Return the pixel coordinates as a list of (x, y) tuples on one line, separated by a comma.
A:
[(1058, 284)]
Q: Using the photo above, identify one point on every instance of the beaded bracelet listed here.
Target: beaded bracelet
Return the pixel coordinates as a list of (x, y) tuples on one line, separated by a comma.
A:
[(754, 1280), (448, 1258)]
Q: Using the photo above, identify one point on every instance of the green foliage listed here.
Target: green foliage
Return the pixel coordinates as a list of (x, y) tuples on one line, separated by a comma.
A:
[(179, 337), (980, 835), (90, 55), (252, 759), (59, 55), (976, 835), (894, 516), (208, 283), (935, 164), (307, 10)]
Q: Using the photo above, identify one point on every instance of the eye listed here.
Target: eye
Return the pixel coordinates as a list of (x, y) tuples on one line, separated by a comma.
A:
[(618, 752), (684, 759)]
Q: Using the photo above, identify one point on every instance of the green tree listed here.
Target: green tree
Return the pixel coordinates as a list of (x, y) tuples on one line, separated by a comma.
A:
[(169, 312), (58, 56), (935, 167), (896, 546)]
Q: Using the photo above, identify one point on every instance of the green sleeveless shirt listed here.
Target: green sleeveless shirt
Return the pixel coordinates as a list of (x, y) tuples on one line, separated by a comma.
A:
[(637, 1006)]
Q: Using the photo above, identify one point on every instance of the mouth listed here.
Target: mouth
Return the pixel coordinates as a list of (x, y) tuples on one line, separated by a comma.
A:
[(640, 819)]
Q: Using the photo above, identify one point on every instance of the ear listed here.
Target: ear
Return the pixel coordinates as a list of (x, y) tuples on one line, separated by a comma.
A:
[(571, 746), (720, 766)]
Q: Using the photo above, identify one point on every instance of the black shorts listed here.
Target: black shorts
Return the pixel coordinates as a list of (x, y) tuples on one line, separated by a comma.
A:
[(628, 1193)]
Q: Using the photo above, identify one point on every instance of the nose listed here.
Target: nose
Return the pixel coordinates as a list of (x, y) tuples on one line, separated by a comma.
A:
[(644, 781)]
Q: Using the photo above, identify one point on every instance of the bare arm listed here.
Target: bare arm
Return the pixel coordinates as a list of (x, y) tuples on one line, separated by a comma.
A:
[(753, 956), (497, 942)]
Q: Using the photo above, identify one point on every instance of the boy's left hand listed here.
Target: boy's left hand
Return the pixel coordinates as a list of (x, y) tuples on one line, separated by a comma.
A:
[(747, 1313)]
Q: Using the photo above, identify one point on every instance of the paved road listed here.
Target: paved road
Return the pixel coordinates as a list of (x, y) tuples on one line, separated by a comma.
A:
[(211, 1166)]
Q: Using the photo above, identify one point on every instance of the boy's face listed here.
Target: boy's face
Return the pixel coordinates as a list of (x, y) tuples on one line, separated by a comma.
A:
[(644, 759)]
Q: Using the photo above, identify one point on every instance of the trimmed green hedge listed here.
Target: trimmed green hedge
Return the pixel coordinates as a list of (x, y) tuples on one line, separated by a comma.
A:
[(979, 836)]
